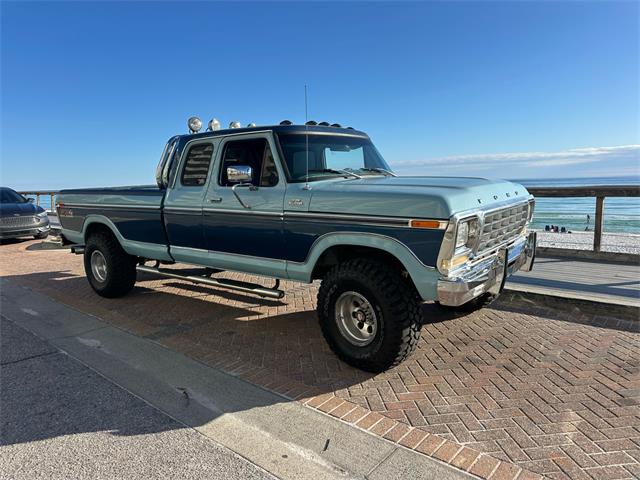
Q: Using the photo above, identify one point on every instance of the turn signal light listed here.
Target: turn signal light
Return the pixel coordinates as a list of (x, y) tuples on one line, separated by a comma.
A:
[(455, 262), (425, 224)]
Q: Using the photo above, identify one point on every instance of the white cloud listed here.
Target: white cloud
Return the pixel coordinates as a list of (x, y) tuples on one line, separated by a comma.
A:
[(575, 156)]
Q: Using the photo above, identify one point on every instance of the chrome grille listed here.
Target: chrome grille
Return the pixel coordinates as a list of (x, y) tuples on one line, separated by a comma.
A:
[(503, 225), (18, 222)]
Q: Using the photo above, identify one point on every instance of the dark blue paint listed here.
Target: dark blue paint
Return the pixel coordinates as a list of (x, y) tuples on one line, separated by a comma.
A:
[(185, 229), (244, 234), (300, 234), (137, 225)]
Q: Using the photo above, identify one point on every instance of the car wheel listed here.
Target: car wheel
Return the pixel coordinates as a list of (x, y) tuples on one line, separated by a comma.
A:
[(110, 270), (369, 314), (41, 236)]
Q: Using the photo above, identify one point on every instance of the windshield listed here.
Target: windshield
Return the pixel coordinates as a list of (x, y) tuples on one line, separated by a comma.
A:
[(330, 156), (9, 196)]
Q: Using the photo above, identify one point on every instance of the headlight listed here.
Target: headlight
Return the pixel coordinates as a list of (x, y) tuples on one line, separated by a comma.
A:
[(467, 234), (41, 215)]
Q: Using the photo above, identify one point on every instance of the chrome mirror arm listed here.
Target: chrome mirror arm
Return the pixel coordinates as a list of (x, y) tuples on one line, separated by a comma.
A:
[(251, 186)]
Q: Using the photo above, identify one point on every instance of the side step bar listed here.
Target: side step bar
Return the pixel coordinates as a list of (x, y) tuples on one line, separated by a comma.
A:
[(77, 249), (221, 282)]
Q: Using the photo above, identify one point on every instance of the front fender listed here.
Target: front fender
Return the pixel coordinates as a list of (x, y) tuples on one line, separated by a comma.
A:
[(424, 277)]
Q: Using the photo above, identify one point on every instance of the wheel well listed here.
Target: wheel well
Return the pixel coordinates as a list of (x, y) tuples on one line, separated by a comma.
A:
[(94, 228), (339, 253)]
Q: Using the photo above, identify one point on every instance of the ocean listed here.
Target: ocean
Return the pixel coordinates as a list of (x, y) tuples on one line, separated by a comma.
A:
[(620, 214)]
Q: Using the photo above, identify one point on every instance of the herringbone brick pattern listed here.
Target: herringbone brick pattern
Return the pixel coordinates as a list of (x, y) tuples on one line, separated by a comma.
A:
[(556, 394)]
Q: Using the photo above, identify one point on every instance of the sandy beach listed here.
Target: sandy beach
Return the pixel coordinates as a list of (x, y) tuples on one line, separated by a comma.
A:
[(611, 242)]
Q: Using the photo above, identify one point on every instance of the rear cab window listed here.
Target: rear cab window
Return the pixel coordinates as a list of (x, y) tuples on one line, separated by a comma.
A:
[(196, 165)]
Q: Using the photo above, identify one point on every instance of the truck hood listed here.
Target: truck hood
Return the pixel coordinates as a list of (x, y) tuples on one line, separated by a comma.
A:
[(425, 197)]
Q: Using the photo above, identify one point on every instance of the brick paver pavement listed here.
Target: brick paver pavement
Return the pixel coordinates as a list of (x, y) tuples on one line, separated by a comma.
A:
[(501, 393)]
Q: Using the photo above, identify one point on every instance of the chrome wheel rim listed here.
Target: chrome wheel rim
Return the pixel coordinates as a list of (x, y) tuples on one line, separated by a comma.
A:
[(356, 319), (98, 265)]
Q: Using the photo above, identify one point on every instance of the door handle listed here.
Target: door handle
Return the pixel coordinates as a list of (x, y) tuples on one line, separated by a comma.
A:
[(215, 199)]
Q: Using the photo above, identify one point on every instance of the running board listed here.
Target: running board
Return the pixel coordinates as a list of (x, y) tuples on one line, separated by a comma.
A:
[(215, 282)]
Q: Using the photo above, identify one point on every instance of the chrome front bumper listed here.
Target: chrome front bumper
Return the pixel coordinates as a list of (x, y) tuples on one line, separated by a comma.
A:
[(489, 274)]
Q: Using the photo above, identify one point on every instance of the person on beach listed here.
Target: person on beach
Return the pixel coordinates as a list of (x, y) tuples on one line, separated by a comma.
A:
[(586, 229)]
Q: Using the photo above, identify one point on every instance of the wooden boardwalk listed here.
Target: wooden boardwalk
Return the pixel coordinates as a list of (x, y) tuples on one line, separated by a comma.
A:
[(617, 283)]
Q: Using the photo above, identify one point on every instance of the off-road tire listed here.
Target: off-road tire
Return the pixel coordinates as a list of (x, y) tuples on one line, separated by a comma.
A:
[(121, 267), (41, 236), (397, 306), (474, 305)]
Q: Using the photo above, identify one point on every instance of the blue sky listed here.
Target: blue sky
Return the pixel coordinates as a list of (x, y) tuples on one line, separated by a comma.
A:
[(91, 91)]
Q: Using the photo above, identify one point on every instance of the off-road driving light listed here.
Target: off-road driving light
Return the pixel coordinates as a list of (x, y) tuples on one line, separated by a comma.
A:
[(311, 123), (234, 125), (195, 124), (251, 124), (214, 124), (337, 125), (324, 124), (286, 122)]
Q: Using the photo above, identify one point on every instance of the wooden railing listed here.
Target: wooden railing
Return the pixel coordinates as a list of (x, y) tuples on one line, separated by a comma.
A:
[(600, 192), (42, 193)]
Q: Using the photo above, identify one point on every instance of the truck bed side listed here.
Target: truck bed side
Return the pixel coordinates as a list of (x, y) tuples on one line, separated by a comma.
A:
[(134, 214)]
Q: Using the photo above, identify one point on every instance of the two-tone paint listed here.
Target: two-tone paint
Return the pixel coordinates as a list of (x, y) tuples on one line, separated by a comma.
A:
[(288, 226)]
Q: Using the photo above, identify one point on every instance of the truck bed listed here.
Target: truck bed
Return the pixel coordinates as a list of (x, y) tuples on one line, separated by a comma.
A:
[(136, 211)]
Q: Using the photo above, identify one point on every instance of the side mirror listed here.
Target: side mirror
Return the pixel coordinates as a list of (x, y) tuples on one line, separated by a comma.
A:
[(30, 200), (240, 174)]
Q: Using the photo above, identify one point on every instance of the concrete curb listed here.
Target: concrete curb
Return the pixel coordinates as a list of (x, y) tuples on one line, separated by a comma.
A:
[(617, 315), (552, 252)]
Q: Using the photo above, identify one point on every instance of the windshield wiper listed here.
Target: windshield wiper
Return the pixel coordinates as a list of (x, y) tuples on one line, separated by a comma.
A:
[(340, 172), (379, 170)]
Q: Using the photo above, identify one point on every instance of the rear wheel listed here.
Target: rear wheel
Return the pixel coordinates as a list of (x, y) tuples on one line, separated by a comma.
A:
[(369, 314), (110, 270)]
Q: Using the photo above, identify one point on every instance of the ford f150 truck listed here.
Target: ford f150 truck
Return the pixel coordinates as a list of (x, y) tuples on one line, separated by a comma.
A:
[(309, 202)]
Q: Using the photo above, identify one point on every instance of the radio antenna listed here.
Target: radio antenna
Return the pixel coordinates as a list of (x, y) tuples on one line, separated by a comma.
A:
[(306, 137)]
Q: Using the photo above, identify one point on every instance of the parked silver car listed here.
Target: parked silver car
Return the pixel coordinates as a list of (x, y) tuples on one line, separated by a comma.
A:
[(21, 218)]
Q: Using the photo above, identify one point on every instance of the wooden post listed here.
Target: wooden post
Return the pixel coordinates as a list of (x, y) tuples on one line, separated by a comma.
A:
[(597, 235), (52, 204), (38, 199)]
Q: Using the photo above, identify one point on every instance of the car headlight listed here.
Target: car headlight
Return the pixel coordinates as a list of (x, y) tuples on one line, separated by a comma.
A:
[(467, 234), (41, 215)]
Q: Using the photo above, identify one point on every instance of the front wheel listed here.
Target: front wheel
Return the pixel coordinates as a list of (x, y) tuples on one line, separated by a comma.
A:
[(41, 236), (110, 270), (369, 314)]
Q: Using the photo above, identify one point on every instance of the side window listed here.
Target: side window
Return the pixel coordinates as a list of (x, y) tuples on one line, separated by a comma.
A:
[(254, 153), (196, 165)]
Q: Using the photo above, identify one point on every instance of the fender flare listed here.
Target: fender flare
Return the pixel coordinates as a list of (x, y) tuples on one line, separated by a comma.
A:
[(425, 277), (139, 249)]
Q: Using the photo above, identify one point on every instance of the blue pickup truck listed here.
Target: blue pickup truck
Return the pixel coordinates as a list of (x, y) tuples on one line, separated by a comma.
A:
[(309, 202)]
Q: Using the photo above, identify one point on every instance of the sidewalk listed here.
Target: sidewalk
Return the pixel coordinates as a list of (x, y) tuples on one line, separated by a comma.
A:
[(61, 420), (100, 394), (511, 389), (616, 283)]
